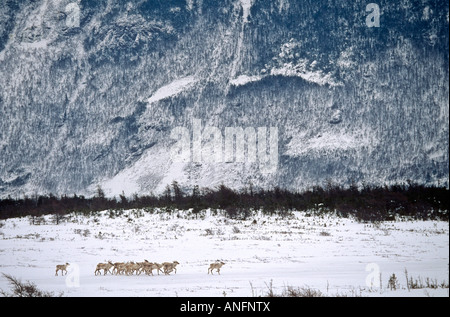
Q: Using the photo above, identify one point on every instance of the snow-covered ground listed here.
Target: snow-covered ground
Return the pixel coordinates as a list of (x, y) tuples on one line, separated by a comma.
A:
[(338, 256)]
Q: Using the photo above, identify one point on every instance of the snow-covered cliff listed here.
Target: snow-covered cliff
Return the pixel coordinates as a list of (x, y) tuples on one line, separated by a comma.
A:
[(91, 91)]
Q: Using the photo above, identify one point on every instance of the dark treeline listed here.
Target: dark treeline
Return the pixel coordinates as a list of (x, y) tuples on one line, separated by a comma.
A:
[(369, 203)]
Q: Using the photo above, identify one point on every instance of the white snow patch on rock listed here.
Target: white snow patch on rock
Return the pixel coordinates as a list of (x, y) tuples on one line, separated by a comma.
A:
[(302, 144), (172, 89), (302, 70), (244, 80)]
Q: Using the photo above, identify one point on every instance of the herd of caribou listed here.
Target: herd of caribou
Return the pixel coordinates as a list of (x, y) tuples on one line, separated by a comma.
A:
[(130, 268)]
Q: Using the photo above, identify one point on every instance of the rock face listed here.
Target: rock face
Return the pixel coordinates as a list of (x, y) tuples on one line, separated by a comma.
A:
[(95, 93)]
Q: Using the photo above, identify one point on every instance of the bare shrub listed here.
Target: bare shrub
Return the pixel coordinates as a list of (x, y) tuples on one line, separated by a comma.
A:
[(28, 289), (209, 232), (236, 229), (419, 283), (301, 292), (393, 282), (290, 291), (212, 232), (37, 220)]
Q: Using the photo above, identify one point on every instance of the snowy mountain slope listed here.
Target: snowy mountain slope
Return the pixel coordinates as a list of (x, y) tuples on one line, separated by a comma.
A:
[(91, 91)]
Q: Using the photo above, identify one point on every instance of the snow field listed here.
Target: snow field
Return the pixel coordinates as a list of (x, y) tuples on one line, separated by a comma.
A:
[(338, 256)]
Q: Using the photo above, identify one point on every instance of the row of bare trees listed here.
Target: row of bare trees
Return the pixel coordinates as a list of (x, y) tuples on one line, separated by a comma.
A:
[(368, 203)]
